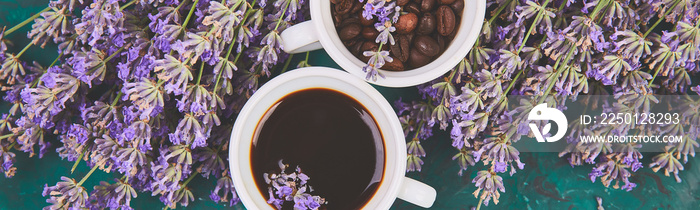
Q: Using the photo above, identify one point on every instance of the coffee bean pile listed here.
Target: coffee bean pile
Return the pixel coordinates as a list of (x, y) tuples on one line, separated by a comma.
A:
[(423, 31)]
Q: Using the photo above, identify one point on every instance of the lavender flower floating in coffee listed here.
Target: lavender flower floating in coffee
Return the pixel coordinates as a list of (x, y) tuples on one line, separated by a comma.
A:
[(396, 35), (285, 187)]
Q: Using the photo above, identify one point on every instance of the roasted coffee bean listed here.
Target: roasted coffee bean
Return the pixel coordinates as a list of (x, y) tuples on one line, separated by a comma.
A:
[(369, 46), (443, 42), (336, 1), (458, 6), (412, 8), (443, 2), (406, 23), (369, 33), (454, 32), (349, 20), (357, 7), (410, 37), (356, 48), (401, 49), (350, 31), (337, 19), (426, 24), (417, 59), (366, 22), (427, 5), (445, 20), (426, 45), (402, 2), (351, 42), (344, 6), (394, 65)]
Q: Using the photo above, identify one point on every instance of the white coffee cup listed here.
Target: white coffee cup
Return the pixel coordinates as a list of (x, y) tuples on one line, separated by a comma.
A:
[(394, 183), (320, 32)]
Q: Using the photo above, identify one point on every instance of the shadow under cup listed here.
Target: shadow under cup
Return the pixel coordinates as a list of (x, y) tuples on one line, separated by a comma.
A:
[(331, 137)]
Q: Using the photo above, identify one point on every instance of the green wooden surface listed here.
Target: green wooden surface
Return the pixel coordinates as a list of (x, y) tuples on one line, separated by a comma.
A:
[(548, 182)]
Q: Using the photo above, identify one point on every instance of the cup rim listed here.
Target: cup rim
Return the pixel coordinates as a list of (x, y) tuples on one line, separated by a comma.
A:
[(390, 127), (327, 35)]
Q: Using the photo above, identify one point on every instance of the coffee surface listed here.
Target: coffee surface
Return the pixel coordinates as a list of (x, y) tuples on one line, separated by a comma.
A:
[(331, 137)]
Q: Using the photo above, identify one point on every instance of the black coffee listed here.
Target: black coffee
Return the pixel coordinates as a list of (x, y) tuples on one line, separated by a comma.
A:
[(331, 136)]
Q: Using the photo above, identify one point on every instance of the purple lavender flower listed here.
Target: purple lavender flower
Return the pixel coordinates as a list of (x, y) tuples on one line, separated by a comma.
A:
[(175, 73), (113, 196), (65, 194), (500, 151), (99, 17), (166, 177), (191, 132), (385, 31), (69, 4), (225, 185), (376, 61), (610, 68), (3, 46), (33, 135), (665, 56), (7, 160), (387, 14), (146, 95), (612, 169), (285, 187), (507, 63), (688, 145), (268, 54), (415, 148), (531, 9), (489, 83), (212, 160), (464, 159), (88, 66), (370, 9), (413, 163), (101, 114), (53, 23), (196, 100), (183, 196), (127, 159), (44, 102), (106, 149), (165, 15), (591, 33), (11, 68), (225, 19), (490, 183), (195, 43), (631, 45), (288, 8)]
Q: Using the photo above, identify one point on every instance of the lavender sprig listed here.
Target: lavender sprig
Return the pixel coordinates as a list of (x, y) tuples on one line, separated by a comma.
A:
[(387, 13), (284, 187)]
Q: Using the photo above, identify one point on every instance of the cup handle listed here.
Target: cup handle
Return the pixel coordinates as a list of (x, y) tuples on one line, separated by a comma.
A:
[(301, 37), (416, 192)]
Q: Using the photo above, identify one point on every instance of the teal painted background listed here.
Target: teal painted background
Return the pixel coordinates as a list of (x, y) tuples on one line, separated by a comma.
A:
[(548, 182)]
